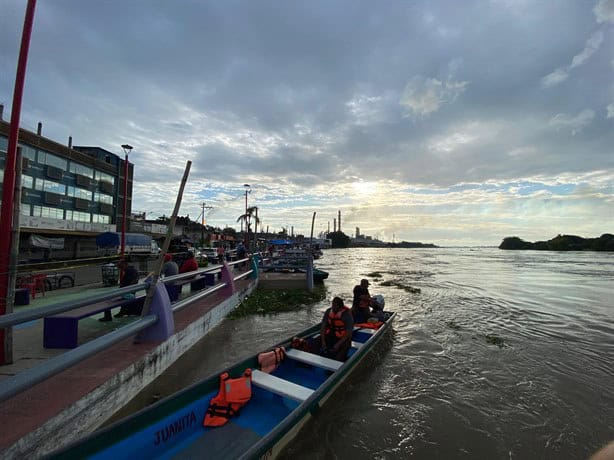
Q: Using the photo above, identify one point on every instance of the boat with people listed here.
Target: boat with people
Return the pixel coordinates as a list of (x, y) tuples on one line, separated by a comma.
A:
[(252, 409)]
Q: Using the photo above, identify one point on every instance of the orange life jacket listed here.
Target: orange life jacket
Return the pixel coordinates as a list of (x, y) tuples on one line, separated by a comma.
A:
[(375, 325), (335, 324), (270, 360), (233, 394)]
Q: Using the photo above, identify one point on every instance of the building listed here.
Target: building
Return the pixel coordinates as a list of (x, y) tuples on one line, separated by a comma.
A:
[(69, 195)]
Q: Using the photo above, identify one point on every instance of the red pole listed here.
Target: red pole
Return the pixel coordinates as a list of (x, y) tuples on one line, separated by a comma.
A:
[(6, 213), (123, 246)]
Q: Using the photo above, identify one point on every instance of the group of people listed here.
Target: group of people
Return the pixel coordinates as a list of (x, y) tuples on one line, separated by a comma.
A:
[(338, 321)]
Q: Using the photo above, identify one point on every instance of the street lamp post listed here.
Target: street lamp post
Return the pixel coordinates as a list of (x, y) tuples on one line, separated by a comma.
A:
[(127, 148), (247, 190)]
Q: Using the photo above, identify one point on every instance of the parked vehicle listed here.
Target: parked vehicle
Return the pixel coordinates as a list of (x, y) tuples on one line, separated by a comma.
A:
[(279, 403), (136, 243)]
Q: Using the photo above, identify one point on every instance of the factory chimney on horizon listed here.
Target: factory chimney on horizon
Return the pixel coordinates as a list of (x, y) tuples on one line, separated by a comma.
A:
[(339, 220)]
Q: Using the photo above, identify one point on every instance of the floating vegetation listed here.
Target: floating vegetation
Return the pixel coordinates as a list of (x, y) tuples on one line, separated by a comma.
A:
[(405, 287), (494, 340), (453, 325), (374, 275), (274, 301)]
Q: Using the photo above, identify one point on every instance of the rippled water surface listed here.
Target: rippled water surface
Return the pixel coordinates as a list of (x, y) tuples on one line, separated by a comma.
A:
[(502, 354)]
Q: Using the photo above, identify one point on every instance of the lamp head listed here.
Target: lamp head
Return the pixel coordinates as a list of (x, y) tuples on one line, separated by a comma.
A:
[(127, 148)]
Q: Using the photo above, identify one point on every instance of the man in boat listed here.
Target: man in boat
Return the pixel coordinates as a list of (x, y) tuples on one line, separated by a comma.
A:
[(361, 313), (360, 290), (336, 331)]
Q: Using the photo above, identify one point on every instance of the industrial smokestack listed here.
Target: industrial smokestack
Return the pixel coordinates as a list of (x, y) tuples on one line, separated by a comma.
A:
[(1, 110), (39, 130), (339, 220), (70, 142), (292, 231), (328, 227), (334, 225)]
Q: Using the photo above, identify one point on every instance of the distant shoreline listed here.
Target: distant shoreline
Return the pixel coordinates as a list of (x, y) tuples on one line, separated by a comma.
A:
[(561, 243)]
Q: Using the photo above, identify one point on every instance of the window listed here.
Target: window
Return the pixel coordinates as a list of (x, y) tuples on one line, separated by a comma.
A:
[(79, 193), (103, 198), (27, 181), (25, 209), (47, 185), (77, 168), (43, 211), (78, 216), (4, 143), (100, 219), (1, 174), (28, 152), (51, 160), (104, 177)]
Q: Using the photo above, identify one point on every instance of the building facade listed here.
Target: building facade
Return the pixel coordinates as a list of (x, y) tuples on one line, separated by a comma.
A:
[(69, 195)]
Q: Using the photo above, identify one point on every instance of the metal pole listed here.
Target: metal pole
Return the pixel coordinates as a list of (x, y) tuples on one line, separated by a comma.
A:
[(8, 185), (123, 246)]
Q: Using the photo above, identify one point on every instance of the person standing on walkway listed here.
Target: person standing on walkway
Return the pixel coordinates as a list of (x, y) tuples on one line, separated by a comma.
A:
[(220, 254)]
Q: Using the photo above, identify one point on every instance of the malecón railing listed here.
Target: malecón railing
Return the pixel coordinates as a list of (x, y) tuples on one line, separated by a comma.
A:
[(30, 377)]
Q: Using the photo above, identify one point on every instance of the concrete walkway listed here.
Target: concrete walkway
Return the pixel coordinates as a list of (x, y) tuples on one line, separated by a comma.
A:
[(74, 402)]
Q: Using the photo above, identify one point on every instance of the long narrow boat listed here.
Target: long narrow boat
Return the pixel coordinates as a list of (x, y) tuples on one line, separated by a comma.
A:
[(281, 402)]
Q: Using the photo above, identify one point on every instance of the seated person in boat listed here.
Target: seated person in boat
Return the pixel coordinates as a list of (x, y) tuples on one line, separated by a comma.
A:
[(361, 313), (336, 331)]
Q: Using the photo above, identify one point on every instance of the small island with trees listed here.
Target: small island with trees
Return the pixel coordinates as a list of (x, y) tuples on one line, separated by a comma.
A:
[(562, 243)]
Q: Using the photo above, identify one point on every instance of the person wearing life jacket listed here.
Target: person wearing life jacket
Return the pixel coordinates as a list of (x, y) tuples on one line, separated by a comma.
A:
[(336, 331), (233, 394)]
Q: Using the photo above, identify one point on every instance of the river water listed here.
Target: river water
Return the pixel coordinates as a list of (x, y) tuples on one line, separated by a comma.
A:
[(501, 355)]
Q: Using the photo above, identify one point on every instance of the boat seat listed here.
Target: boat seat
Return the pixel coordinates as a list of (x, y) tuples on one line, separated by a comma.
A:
[(314, 360), (280, 386), (356, 345)]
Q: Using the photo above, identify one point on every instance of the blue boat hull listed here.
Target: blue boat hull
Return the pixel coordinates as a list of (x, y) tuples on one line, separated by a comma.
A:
[(172, 428)]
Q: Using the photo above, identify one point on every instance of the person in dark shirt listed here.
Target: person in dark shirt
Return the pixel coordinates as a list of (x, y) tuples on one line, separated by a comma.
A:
[(336, 331), (359, 291), (362, 312), (129, 275)]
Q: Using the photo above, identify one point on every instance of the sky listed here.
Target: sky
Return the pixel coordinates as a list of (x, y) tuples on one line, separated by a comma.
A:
[(445, 122)]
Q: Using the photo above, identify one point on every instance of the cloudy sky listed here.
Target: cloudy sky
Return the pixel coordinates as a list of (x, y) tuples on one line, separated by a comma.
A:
[(451, 122)]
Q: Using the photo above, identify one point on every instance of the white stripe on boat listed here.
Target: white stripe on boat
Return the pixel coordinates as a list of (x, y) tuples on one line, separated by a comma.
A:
[(280, 386), (366, 330), (356, 345), (314, 360)]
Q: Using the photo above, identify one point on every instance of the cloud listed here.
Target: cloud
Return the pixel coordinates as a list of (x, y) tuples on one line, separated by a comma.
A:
[(559, 75), (604, 11), (575, 124), (611, 110), (423, 96)]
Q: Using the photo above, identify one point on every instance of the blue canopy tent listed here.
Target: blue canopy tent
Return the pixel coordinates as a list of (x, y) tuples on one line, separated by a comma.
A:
[(281, 242)]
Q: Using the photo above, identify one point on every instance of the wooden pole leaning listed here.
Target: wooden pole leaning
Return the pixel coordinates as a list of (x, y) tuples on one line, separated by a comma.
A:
[(167, 242)]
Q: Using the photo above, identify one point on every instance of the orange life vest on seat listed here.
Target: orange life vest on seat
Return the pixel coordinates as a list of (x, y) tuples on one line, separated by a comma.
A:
[(270, 360), (233, 394), (335, 324), (375, 325)]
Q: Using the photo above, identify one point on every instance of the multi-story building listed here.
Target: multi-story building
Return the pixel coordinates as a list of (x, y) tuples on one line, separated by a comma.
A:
[(69, 195)]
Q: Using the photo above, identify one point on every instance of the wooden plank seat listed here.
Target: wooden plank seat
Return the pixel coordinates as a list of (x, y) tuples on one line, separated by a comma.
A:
[(313, 359), (356, 345), (279, 386), (366, 330), (62, 330)]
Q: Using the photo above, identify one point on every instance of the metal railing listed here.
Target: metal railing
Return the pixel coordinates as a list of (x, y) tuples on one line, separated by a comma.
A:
[(30, 377)]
